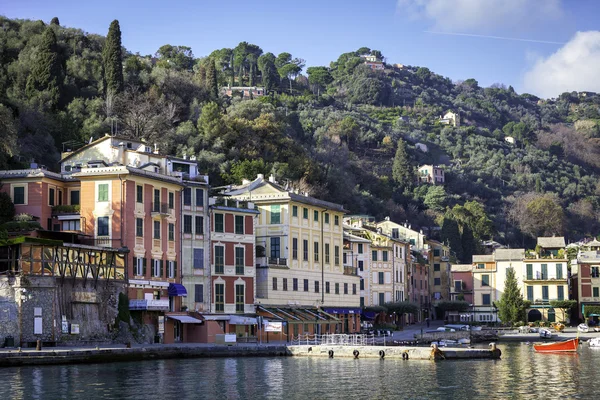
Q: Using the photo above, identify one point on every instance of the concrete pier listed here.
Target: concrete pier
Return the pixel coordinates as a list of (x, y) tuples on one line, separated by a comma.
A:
[(394, 352)]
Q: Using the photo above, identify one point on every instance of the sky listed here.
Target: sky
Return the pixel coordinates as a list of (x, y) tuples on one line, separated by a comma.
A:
[(543, 47)]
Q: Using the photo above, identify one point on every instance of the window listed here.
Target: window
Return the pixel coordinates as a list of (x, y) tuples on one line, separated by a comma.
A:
[(239, 261), (285, 287), (374, 255), (198, 258), (295, 284), (156, 200), (395, 233), (362, 284), (337, 288), (187, 196), (545, 293), (219, 223), (560, 292), (457, 286), (275, 247), (156, 230), (596, 292), (74, 200), (305, 213), (103, 192), (139, 227), (239, 224), (360, 248), (344, 258), (529, 271), (171, 232), (362, 302), (544, 271), (412, 241), (436, 252), (219, 297), (316, 251), (138, 266), (336, 219), (71, 225), (219, 259), (380, 278), (326, 218), (354, 288), (19, 195), (437, 281), (327, 253), (384, 255), (295, 248), (187, 224), (345, 288), (336, 255), (306, 285), (157, 268), (559, 274), (199, 225), (171, 200), (316, 286), (485, 300), (595, 272), (530, 293), (485, 280), (294, 211), (139, 190), (316, 216), (326, 287), (274, 283), (103, 226), (51, 196), (172, 269), (305, 250), (480, 266), (275, 214), (381, 299), (239, 298), (199, 198), (199, 293), (436, 267)]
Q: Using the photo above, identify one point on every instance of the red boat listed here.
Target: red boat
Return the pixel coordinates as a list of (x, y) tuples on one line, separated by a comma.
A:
[(570, 345)]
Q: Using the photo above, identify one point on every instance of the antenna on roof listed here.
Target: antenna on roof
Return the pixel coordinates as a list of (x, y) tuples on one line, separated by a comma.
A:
[(91, 139)]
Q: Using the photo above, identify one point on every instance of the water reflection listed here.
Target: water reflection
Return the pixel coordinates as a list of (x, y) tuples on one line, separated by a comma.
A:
[(521, 373)]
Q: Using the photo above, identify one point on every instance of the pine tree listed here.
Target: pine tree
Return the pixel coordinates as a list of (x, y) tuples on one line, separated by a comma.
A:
[(211, 80), (511, 307), (112, 59), (402, 171), (46, 73), (55, 21)]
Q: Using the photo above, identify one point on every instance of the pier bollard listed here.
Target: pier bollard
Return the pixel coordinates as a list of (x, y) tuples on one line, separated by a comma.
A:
[(38, 345)]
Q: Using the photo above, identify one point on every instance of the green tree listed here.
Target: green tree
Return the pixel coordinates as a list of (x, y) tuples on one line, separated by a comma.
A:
[(511, 306), (435, 198), (450, 235), (46, 73), (320, 77), (55, 21), (177, 57), (248, 169), (564, 306), (401, 308), (210, 122), (469, 244), (211, 80), (402, 170), (112, 61), (270, 78), (7, 208)]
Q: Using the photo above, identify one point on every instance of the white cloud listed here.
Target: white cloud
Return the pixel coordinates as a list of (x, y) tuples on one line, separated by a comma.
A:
[(480, 15), (574, 67)]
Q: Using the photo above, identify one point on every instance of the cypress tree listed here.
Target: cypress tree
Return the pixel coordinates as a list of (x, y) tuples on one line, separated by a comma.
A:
[(55, 21), (401, 169), (211, 80), (469, 244), (46, 72), (450, 234), (511, 307), (112, 59)]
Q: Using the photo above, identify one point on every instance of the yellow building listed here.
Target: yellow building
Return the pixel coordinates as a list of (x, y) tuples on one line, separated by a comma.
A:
[(484, 288), (300, 278)]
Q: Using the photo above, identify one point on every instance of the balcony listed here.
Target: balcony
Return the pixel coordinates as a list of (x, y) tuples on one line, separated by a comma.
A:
[(271, 262), (65, 209), (151, 305), (160, 209), (544, 301), (101, 241), (350, 271), (542, 278)]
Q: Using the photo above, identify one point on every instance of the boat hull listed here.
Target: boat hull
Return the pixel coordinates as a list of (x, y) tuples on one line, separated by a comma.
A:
[(570, 345)]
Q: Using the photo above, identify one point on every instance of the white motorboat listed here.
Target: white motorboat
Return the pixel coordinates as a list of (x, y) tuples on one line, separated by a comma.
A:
[(594, 342), (583, 328), (545, 333)]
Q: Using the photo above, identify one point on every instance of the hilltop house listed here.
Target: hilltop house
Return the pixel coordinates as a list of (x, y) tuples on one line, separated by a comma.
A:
[(450, 118), (433, 174)]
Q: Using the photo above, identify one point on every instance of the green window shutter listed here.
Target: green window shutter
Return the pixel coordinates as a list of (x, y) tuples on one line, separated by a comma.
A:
[(161, 268), (144, 266), (175, 269)]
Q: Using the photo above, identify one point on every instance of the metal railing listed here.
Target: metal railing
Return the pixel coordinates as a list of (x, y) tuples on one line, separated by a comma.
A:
[(162, 208), (337, 339)]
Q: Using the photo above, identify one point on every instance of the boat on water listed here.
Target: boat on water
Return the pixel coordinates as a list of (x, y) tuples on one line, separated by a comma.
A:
[(583, 328), (570, 345), (594, 342), (545, 333)]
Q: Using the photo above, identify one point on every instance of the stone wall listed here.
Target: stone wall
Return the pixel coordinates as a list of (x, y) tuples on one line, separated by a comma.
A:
[(9, 311)]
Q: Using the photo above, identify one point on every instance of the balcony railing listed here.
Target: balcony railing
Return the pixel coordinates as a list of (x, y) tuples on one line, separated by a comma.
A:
[(158, 305), (277, 261), (102, 241), (350, 271), (160, 208), (66, 209), (541, 277)]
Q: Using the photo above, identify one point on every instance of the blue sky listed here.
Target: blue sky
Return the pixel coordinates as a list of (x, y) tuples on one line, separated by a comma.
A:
[(319, 31)]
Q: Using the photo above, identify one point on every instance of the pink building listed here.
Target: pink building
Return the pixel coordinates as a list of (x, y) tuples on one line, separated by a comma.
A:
[(461, 289)]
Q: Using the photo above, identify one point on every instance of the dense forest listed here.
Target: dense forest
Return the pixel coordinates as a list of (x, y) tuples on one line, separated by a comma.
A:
[(342, 132)]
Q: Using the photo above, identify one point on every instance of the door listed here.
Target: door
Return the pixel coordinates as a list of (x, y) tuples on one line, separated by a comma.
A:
[(551, 315)]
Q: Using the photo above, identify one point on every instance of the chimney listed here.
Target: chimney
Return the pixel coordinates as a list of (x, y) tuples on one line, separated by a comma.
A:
[(260, 176), (387, 218), (155, 148), (33, 165), (272, 178), (245, 181), (122, 155)]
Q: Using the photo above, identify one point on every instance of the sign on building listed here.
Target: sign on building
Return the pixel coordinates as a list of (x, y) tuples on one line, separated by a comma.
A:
[(273, 326)]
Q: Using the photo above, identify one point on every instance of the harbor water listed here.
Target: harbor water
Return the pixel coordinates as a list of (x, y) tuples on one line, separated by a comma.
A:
[(521, 373)]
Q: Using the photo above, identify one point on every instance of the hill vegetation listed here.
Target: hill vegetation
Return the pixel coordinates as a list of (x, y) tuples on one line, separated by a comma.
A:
[(342, 132)]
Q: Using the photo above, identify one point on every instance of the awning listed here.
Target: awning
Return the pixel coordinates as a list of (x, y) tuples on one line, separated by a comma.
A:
[(185, 319), (216, 317), (176, 289), (369, 314), (241, 320), (299, 315), (342, 310)]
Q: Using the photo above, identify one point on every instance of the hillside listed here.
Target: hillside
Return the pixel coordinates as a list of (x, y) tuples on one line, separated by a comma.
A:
[(343, 132)]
